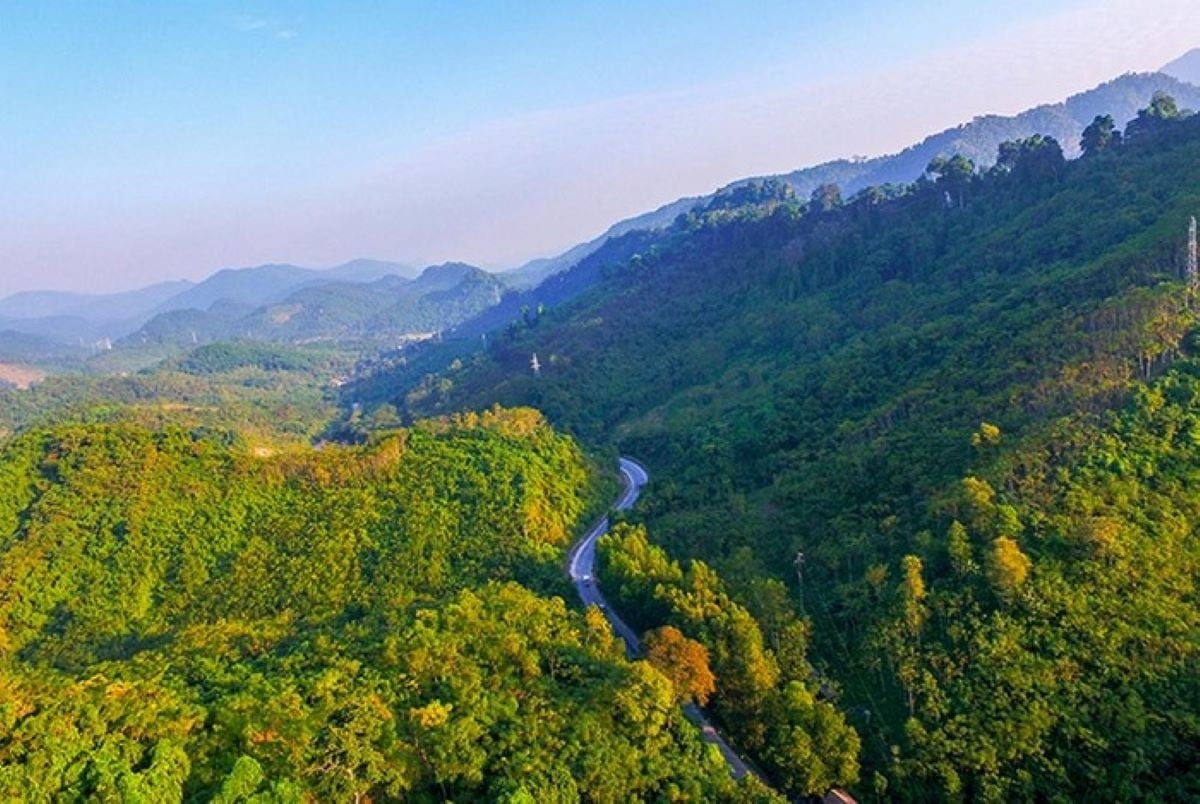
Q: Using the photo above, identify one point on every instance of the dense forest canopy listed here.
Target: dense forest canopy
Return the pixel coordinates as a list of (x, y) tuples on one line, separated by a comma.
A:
[(267, 392), (955, 417), (182, 617)]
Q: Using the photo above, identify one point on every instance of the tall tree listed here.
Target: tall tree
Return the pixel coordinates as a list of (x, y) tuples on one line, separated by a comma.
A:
[(1154, 119), (1100, 136), (826, 198)]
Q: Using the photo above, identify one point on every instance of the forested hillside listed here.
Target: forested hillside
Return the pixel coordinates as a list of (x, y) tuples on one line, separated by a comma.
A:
[(183, 618), (956, 417), (386, 311), (264, 392)]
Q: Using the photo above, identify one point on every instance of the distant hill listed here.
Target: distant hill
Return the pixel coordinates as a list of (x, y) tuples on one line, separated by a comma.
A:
[(264, 284), (79, 321), (388, 309), (363, 270), (254, 286), (978, 140), (187, 326), (21, 347), (1186, 67), (84, 320), (67, 331), (93, 307)]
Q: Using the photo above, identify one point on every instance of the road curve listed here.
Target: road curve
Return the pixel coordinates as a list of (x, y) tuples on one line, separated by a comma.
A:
[(581, 568)]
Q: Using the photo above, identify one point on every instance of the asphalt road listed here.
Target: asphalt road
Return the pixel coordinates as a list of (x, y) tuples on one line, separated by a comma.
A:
[(581, 568)]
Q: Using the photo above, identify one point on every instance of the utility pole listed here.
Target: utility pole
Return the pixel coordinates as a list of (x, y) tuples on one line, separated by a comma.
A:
[(1193, 266), (799, 564)]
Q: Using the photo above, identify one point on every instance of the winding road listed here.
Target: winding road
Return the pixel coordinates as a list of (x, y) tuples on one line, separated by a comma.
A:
[(581, 568)]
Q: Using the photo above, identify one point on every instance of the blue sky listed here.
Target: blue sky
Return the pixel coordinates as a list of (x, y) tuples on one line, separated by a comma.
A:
[(157, 140)]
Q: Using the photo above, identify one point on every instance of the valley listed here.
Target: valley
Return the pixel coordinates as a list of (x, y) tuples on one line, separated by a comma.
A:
[(872, 479)]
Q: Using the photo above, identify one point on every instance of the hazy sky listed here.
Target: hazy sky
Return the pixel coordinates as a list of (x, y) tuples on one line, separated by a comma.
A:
[(146, 140)]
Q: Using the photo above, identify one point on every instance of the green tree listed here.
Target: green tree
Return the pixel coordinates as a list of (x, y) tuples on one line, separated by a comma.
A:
[(825, 198), (810, 746), (1154, 119), (1100, 136), (1007, 567), (1034, 160), (953, 176)]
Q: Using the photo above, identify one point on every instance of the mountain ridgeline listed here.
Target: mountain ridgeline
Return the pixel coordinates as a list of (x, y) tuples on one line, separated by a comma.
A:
[(389, 310), (977, 140), (286, 302), (81, 324), (956, 417)]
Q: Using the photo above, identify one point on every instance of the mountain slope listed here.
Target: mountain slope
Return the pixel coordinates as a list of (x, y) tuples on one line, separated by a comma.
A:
[(536, 271), (1185, 68), (960, 423), (979, 139)]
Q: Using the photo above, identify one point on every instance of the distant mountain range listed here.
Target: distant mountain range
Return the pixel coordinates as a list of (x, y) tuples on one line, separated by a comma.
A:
[(375, 300), (978, 140), (390, 310), (93, 307), (268, 283), (76, 323)]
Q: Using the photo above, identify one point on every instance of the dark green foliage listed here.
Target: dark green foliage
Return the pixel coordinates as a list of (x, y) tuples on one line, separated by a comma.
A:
[(1102, 135), (825, 198), (1154, 119), (813, 387), (219, 358), (767, 191), (1033, 160)]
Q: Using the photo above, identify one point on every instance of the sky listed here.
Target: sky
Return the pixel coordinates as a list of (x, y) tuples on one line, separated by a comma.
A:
[(145, 141)]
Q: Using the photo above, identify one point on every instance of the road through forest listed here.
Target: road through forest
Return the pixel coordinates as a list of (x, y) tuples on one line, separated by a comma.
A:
[(581, 568)]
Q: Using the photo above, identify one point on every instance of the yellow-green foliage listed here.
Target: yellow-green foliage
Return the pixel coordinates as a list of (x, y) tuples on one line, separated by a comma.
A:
[(183, 616), (805, 743)]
